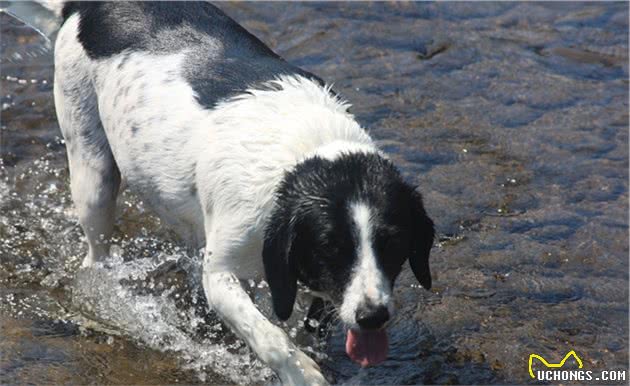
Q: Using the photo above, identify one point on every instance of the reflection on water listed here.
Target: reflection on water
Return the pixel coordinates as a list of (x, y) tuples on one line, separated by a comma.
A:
[(513, 120)]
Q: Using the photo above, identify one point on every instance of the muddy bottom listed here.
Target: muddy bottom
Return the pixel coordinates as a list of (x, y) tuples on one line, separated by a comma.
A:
[(511, 118)]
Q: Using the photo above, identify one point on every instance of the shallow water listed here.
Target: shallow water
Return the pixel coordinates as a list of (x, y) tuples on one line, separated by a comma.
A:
[(512, 119)]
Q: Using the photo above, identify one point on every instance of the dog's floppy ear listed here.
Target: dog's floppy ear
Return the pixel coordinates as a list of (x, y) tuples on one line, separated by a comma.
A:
[(279, 264), (422, 241)]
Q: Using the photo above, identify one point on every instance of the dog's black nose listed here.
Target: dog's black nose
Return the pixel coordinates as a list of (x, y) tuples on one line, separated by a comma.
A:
[(372, 317)]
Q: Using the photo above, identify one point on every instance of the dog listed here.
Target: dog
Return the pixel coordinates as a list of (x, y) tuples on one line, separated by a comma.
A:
[(255, 161)]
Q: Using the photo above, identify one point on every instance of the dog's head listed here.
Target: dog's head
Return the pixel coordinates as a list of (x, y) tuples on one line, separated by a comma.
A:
[(344, 228)]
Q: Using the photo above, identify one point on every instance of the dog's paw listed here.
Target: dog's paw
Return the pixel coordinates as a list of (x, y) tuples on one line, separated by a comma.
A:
[(302, 370)]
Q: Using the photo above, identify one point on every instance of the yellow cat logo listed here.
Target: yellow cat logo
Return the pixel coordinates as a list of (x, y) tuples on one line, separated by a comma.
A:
[(552, 365)]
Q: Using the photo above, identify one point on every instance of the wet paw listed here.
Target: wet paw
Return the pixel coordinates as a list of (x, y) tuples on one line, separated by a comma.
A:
[(302, 370)]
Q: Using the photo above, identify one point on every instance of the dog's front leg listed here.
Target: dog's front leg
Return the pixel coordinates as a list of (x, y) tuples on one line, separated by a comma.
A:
[(230, 301)]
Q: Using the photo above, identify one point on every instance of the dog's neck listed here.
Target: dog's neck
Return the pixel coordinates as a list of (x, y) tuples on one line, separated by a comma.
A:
[(333, 150), (288, 111)]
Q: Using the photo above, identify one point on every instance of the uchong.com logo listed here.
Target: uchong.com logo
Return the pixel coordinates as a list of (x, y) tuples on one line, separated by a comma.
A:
[(555, 372)]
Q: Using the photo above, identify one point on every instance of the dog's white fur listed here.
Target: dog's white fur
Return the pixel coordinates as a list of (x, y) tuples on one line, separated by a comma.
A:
[(368, 282), (210, 174)]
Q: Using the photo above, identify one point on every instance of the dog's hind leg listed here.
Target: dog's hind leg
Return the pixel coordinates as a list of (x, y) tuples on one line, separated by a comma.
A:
[(94, 176)]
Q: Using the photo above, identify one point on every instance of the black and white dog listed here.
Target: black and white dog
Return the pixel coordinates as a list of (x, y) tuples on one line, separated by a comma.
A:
[(244, 155)]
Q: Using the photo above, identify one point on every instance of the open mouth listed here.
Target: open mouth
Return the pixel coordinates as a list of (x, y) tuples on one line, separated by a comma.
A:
[(367, 347)]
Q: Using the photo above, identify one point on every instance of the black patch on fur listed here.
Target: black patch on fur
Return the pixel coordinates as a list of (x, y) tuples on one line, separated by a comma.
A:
[(223, 59), (123, 61), (310, 235)]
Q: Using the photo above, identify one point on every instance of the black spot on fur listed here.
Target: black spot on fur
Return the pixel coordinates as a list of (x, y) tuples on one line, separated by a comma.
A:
[(142, 99), (123, 61)]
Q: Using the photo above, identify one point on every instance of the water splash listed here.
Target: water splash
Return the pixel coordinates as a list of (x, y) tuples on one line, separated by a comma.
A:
[(141, 298)]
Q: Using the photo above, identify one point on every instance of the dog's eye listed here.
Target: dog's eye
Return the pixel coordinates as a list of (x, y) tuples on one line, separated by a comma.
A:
[(394, 246), (392, 255), (391, 245)]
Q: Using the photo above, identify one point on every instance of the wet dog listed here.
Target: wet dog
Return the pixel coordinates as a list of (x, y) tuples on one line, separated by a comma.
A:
[(244, 155)]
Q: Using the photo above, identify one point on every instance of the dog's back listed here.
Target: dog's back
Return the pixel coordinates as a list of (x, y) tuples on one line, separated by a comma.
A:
[(163, 76), (222, 58)]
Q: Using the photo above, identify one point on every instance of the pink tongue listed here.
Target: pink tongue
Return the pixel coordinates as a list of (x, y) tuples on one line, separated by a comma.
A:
[(367, 347)]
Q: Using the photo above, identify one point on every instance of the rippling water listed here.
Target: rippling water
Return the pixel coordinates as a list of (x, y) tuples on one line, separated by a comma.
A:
[(513, 120)]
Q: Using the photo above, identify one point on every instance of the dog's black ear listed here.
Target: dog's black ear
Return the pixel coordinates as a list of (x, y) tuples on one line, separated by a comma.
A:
[(422, 241), (279, 264)]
